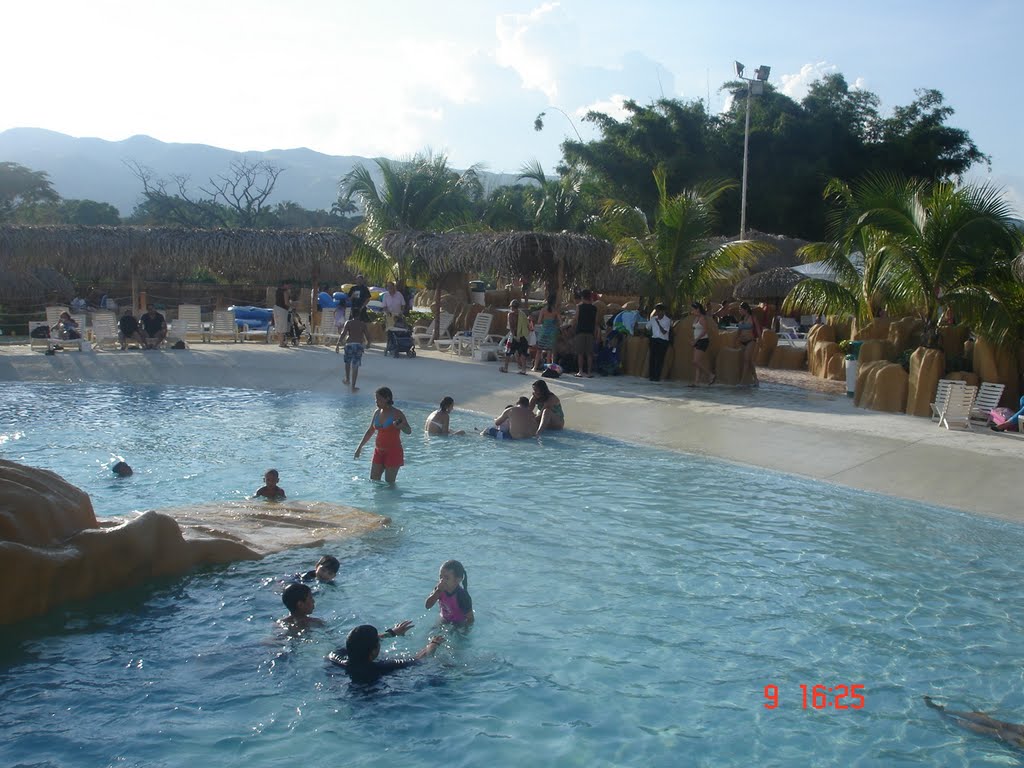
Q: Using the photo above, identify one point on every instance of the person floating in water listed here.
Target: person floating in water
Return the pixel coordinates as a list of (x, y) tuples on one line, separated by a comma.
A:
[(121, 469), (326, 569), (359, 657), (453, 594), (271, 490), (979, 722), (298, 599)]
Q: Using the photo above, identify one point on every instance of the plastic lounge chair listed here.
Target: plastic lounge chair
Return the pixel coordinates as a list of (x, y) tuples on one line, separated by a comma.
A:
[(958, 408), (480, 338), (987, 399), (789, 329), (424, 334), (224, 325), (942, 395), (53, 314), (104, 330), (189, 324), (326, 332)]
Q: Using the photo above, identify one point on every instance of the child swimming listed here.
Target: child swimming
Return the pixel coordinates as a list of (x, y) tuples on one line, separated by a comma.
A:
[(326, 569), (298, 599), (451, 591), (271, 490)]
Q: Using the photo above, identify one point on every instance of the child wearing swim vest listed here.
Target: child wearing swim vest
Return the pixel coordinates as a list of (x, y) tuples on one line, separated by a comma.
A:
[(453, 594)]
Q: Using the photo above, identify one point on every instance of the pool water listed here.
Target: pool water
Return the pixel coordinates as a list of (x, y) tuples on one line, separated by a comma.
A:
[(632, 605)]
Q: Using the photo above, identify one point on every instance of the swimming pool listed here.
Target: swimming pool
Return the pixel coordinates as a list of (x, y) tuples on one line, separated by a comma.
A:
[(632, 605)]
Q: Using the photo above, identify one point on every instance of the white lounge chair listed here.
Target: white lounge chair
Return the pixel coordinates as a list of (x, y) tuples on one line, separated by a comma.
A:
[(189, 325), (53, 314), (104, 330), (224, 326), (987, 399), (942, 395), (424, 334), (480, 340), (326, 332), (789, 330), (958, 408)]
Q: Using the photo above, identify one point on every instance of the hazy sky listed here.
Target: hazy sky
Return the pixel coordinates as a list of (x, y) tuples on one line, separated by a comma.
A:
[(467, 77)]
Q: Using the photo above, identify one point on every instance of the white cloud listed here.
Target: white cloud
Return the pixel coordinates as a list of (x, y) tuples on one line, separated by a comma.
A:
[(515, 32), (612, 106), (796, 86)]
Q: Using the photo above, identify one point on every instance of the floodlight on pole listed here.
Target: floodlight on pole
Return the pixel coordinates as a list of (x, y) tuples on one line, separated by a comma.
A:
[(755, 86)]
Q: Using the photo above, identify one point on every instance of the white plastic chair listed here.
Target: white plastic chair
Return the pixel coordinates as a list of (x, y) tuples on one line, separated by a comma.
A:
[(224, 326), (958, 408), (942, 395), (190, 322), (987, 399), (327, 331), (480, 338), (424, 334), (104, 330)]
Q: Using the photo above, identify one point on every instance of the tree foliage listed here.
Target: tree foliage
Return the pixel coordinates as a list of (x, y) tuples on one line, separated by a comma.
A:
[(926, 246), (21, 191), (419, 194), (835, 131)]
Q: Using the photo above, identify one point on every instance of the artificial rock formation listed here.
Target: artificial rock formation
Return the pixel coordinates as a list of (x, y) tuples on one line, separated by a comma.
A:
[(905, 334), (926, 368), (53, 549), (881, 386), (876, 349)]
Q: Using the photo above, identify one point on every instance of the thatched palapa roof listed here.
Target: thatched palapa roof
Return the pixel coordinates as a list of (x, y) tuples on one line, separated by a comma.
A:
[(35, 285), (529, 254), (120, 252), (771, 284)]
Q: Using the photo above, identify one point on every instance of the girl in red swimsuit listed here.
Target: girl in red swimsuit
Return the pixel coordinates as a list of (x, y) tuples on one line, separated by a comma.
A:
[(387, 422)]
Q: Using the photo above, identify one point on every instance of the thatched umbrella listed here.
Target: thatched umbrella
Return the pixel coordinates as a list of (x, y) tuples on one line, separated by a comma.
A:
[(554, 257), (140, 252), (35, 285), (772, 284)]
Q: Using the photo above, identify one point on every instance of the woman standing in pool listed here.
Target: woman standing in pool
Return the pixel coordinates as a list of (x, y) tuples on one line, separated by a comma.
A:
[(551, 414), (388, 422), (701, 342), (748, 332)]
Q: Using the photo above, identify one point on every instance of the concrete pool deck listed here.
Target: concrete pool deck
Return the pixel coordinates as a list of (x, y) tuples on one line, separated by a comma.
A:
[(777, 427)]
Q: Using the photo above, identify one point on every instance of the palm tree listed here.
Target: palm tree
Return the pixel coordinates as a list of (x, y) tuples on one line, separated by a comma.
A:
[(677, 254), (559, 203), (421, 194), (927, 246)]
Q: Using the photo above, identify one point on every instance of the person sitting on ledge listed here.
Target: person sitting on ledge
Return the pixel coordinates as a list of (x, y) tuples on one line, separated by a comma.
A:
[(154, 328), (516, 422), (128, 330)]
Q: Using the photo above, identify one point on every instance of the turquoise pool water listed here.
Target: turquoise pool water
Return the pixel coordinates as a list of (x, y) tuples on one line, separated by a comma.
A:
[(632, 604)]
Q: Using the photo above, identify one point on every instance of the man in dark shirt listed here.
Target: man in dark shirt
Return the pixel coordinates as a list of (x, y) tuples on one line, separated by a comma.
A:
[(586, 327), (359, 295), (362, 646), (154, 328), (128, 330)]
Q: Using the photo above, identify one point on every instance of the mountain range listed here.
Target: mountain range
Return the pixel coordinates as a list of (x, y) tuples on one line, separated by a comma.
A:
[(95, 169)]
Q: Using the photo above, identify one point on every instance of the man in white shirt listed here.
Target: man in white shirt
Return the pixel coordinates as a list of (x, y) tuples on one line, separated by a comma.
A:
[(394, 305), (660, 326)]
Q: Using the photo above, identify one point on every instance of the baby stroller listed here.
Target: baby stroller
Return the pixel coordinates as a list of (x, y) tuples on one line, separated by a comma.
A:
[(400, 340), (296, 328)]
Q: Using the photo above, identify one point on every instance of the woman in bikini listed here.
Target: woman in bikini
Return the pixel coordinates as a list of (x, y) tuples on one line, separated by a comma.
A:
[(701, 342), (388, 422), (551, 414), (748, 332)]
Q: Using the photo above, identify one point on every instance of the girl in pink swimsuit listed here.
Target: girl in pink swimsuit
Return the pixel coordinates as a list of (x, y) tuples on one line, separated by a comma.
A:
[(453, 594), (387, 421)]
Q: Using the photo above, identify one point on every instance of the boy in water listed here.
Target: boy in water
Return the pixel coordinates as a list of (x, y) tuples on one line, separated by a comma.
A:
[(326, 569), (271, 490), (298, 599)]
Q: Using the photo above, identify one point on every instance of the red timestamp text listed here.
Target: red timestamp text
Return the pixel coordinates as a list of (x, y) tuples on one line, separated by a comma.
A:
[(838, 697)]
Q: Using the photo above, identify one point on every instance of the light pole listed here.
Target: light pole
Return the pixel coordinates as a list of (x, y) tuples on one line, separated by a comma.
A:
[(755, 87)]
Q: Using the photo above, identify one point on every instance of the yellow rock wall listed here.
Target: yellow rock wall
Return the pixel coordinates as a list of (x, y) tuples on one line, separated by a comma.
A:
[(881, 386), (927, 366), (876, 349)]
